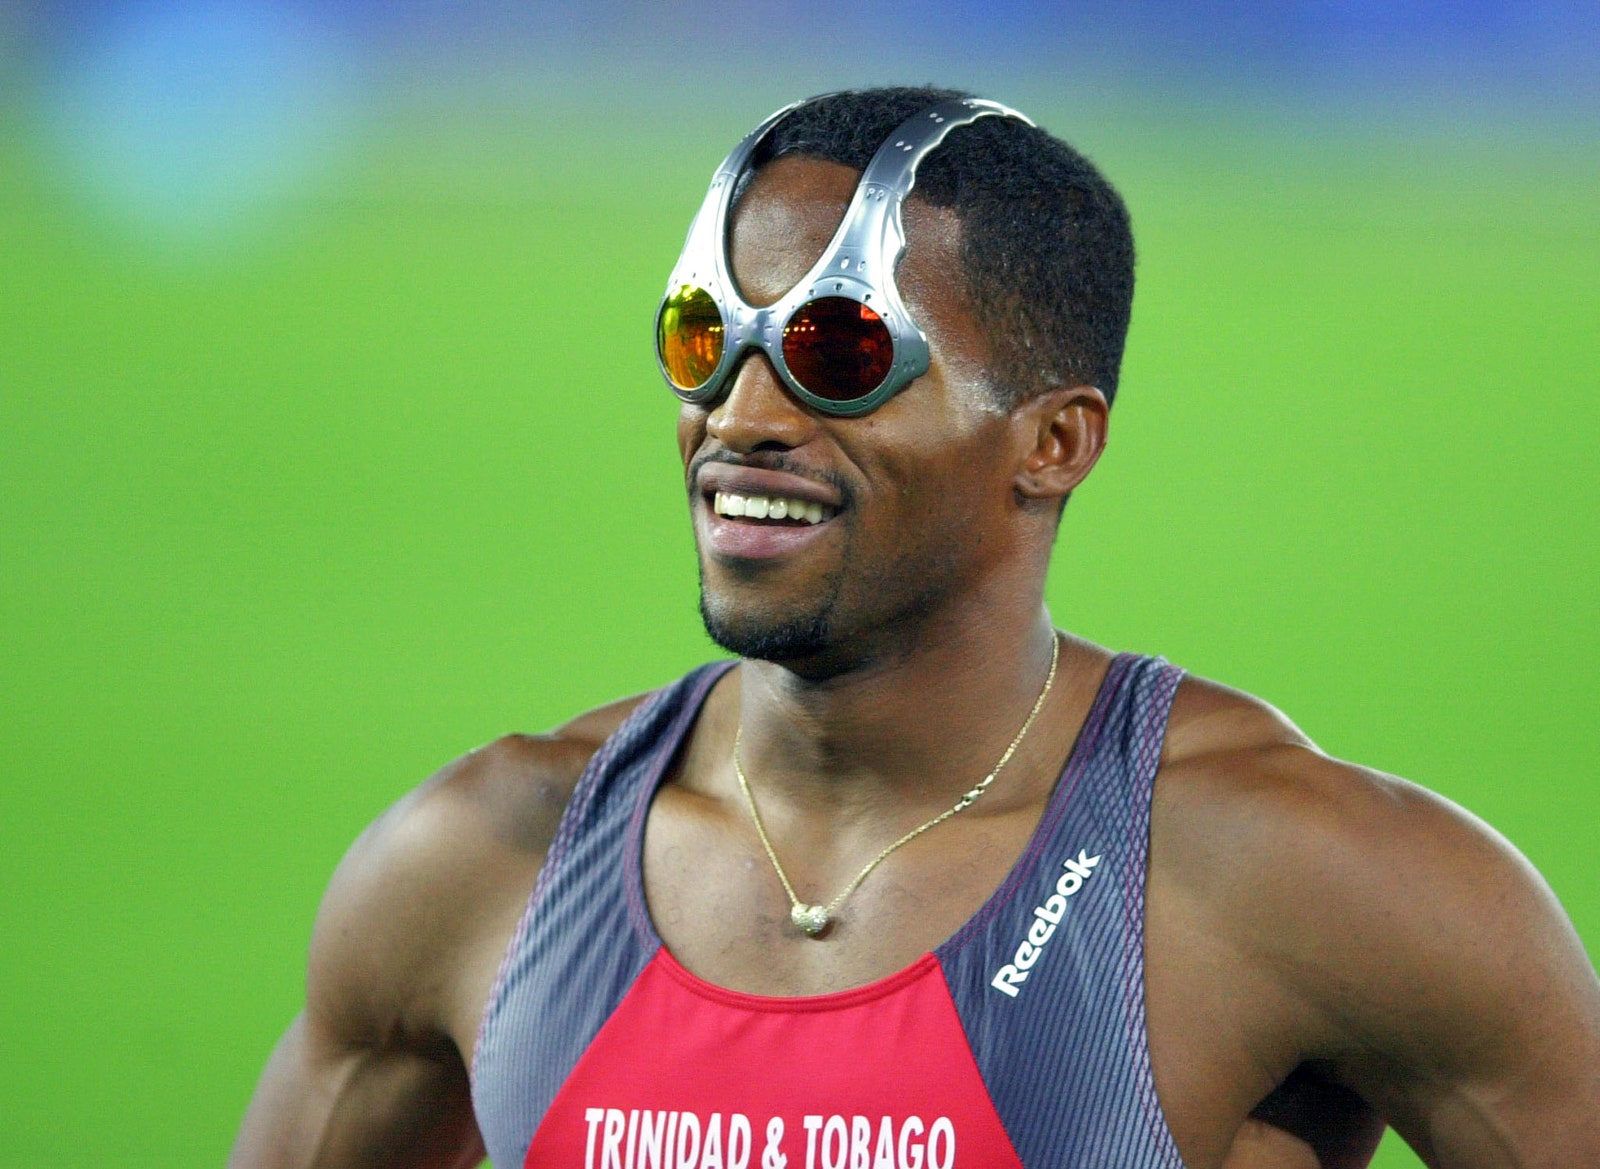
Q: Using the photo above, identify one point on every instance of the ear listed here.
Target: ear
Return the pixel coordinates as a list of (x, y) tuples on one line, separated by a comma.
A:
[(1062, 433)]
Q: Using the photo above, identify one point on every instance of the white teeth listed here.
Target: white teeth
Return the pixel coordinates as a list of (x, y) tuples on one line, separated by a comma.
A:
[(765, 507)]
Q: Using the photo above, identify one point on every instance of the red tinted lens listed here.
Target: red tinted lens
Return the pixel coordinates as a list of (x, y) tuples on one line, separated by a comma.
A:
[(838, 348), (689, 336)]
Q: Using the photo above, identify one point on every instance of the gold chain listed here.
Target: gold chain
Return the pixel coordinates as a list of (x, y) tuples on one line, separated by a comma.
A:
[(813, 919)]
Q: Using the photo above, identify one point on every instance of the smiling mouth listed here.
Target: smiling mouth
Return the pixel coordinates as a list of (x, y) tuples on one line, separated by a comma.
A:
[(771, 509)]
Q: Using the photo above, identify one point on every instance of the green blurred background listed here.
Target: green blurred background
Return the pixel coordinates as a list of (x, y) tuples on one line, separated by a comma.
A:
[(331, 442)]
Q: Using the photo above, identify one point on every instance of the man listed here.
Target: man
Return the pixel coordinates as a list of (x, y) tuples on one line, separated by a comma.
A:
[(922, 881)]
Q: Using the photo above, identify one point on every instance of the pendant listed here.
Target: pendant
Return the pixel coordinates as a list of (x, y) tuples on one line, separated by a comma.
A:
[(813, 919)]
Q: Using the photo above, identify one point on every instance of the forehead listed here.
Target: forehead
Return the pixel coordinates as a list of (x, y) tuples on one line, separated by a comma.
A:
[(789, 213)]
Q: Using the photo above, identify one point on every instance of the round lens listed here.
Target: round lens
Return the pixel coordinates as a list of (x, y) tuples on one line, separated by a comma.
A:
[(838, 348), (689, 336)]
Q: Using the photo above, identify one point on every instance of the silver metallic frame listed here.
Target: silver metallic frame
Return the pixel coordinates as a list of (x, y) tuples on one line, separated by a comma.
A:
[(859, 263)]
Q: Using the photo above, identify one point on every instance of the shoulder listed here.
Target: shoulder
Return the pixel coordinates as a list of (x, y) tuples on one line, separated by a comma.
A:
[(1250, 799), (1268, 827), (1413, 932), (425, 899)]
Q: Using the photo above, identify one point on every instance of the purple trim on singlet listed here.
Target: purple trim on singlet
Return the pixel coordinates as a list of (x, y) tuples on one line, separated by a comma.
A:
[(1077, 760), (574, 944), (1065, 1061)]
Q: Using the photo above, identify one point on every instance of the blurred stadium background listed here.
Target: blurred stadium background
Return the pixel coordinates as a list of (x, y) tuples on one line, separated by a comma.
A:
[(331, 443)]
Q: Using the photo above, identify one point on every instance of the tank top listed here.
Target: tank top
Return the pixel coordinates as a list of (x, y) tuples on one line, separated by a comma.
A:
[(1019, 1041)]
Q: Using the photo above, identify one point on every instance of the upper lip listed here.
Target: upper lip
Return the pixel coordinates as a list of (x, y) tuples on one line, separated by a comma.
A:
[(737, 480)]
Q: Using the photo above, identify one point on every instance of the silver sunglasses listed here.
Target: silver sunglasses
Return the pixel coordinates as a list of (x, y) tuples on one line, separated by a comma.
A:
[(841, 339)]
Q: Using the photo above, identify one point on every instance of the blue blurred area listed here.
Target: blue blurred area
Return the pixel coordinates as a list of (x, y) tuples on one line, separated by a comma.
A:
[(186, 118), (1489, 58), (1540, 51)]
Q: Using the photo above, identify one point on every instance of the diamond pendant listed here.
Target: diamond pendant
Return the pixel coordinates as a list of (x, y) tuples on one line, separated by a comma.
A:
[(813, 919)]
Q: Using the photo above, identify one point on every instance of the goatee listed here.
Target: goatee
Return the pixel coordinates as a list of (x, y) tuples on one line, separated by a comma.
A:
[(807, 635)]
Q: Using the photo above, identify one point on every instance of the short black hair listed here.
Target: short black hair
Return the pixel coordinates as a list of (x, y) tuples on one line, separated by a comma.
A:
[(1046, 243)]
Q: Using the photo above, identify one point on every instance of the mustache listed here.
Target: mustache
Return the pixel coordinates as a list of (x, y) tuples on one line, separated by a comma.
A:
[(770, 460)]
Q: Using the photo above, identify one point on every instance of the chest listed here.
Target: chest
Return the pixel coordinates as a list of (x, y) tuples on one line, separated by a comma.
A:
[(721, 909), (653, 991), (1017, 1038)]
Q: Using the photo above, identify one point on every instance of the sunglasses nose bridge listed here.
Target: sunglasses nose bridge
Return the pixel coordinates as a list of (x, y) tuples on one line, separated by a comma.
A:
[(758, 328), (755, 330)]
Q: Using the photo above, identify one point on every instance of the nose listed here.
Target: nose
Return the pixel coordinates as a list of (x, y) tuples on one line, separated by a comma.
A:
[(758, 412)]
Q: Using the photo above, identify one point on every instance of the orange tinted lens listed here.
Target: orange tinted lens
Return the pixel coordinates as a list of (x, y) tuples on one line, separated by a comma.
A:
[(689, 336), (838, 348)]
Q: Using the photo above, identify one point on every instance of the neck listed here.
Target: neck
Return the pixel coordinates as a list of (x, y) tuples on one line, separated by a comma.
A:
[(919, 727)]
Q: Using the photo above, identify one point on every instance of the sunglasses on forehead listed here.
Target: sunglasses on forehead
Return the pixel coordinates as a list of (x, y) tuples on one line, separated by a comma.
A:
[(840, 339)]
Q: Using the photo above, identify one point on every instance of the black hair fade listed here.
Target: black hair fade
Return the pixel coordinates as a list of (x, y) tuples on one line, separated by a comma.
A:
[(1046, 244)]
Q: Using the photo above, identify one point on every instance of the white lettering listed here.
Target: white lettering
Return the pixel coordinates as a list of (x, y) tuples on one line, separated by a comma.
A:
[(860, 1142), (644, 1138), (772, 1156), (652, 1130), (738, 1131), (910, 1131), (1009, 978), (942, 1127), (712, 1157), (592, 1117), (1052, 909), (611, 1141), (688, 1140), (1082, 865), (884, 1158), (834, 1130), (812, 1124)]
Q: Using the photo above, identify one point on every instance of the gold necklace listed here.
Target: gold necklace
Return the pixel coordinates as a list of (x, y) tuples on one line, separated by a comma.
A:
[(813, 919)]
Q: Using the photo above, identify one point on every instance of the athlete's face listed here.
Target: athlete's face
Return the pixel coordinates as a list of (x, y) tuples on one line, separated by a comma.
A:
[(917, 498)]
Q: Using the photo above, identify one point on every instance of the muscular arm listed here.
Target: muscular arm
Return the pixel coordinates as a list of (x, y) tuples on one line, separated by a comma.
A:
[(1468, 1012), (1376, 939), (406, 945), (326, 1100)]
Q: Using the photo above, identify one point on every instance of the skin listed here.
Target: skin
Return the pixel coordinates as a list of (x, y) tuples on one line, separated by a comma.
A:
[(1327, 948)]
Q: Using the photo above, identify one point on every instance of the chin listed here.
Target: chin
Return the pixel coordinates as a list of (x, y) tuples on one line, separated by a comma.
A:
[(769, 618), (796, 637)]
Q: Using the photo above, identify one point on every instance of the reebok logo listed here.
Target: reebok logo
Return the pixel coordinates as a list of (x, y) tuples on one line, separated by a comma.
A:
[(1009, 978)]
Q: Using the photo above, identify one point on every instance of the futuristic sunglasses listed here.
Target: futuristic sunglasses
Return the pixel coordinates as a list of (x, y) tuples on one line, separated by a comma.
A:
[(841, 339)]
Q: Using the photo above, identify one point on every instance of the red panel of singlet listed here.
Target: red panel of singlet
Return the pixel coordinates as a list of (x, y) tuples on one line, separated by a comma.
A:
[(686, 1075)]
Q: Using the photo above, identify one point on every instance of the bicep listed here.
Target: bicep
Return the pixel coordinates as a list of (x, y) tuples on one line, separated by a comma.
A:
[(368, 1074), (323, 1101), (1500, 1060), (402, 956), (1473, 1009)]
